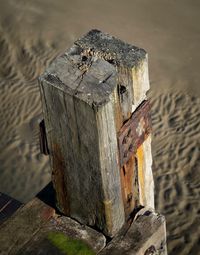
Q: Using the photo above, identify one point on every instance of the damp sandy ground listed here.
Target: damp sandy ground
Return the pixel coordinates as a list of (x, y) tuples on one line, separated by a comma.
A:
[(33, 32)]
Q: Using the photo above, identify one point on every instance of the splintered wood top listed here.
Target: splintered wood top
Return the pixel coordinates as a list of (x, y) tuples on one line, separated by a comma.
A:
[(89, 69), (111, 48)]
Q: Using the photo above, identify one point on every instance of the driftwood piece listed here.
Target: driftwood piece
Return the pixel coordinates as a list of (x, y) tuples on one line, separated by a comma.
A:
[(88, 94)]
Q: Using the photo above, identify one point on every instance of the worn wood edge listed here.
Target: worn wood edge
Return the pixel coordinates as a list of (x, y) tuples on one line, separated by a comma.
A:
[(91, 48), (92, 81), (48, 220), (137, 240), (27, 220), (108, 202), (113, 201), (111, 48), (37, 218), (66, 227), (148, 173)]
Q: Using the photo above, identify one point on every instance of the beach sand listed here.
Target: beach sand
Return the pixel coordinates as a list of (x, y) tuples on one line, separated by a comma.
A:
[(33, 32)]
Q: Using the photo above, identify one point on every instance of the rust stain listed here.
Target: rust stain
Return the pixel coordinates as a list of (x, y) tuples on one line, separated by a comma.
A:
[(127, 174), (47, 213), (59, 180), (134, 132)]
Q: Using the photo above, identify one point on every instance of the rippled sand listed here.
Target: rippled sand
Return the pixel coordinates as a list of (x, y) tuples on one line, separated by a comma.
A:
[(33, 32)]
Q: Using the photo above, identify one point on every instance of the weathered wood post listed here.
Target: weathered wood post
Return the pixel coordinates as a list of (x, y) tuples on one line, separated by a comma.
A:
[(98, 130)]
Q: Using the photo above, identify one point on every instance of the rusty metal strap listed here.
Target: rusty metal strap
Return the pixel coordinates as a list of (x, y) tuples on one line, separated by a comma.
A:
[(134, 132)]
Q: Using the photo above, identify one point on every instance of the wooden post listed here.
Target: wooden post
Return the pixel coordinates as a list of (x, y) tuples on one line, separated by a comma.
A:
[(98, 130)]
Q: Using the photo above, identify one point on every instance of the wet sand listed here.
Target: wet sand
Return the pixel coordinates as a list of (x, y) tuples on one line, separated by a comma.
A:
[(32, 33)]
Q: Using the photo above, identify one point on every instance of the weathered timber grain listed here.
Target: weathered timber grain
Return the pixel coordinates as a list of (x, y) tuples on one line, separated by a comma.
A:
[(131, 63), (132, 84), (59, 234), (88, 93), (31, 229), (146, 235), (22, 225), (146, 182), (79, 117)]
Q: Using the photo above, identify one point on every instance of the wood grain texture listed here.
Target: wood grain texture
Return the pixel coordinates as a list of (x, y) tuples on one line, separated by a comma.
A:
[(132, 84), (28, 231), (63, 235), (147, 175), (131, 63), (88, 93), (81, 129), (146, 235), (22, 225)]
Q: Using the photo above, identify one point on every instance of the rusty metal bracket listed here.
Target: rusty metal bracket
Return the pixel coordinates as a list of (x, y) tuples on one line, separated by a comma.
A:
[(43, 139), (134, 132)]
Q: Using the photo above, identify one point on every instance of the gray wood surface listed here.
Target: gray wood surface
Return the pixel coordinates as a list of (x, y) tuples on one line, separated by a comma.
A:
[(146, 236), (37, 229), (83, 146), (88, 93), (22, 225)]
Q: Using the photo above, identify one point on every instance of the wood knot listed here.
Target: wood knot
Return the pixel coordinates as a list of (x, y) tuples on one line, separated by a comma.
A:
[(121, 89)]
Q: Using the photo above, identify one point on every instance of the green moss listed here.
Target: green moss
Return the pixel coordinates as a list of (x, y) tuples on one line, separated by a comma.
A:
[(68, 245)]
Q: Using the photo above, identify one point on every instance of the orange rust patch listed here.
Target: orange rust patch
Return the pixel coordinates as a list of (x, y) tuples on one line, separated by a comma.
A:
[(59, 180), (127, 173), (140, 157)]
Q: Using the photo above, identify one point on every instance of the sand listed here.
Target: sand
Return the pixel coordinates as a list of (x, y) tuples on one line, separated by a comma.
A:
[(33, 32)]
